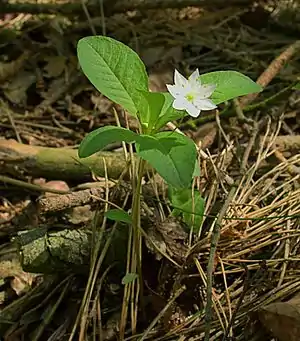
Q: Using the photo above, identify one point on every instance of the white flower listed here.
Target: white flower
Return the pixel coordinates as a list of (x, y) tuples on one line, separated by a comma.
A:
[(190, 95)]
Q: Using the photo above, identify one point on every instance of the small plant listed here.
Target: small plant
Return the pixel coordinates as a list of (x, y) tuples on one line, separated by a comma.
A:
[(119, 74)]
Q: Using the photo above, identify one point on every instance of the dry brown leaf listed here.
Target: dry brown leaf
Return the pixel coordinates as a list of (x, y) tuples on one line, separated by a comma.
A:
[(160, 54), (282, 319), (55, 66), (15, 90), (205, 134), (10, 267), (158, 80), (8, 70), (56, 184), (80, 214)]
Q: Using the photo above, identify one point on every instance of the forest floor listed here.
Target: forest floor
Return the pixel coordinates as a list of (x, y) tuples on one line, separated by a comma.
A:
[(52, 203)]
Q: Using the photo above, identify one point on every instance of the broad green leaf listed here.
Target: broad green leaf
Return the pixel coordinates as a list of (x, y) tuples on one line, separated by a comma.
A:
[(230, 84), (173, 155), (188, 204), (162, 144), (99, 138), (296, 86), (129, 277), (114, 69), (118, 215), (150, 108), (168, 113)]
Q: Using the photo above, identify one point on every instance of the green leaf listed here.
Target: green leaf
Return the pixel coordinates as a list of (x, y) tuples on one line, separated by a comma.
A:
[(188, 204), (129, 277), (173, 155), (150, 108), (118, 215), (230, 84), (114, 69), (197, 170), (168, 113), (296, 86), (99, 138)]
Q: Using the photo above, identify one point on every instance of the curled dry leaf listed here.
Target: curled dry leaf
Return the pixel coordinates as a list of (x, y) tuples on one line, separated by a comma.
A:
[(205, 135), (8, 70), (161, 55), (159, 79), (16, 90), (282, 319), (55, 66), (10, 267), (167, 238), (56, 184)]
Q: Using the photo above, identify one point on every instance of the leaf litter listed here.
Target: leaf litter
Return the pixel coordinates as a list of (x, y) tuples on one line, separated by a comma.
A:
[(51, 104)]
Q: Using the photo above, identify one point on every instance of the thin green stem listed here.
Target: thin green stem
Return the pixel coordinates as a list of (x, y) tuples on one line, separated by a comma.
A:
[(136, 223), (134, 290), (269, 99)]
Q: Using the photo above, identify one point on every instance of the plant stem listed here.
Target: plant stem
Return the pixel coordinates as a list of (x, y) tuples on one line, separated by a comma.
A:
[(136, 265), (134, 289)]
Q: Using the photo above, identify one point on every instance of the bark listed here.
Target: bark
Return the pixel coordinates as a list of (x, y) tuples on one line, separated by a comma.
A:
[(51, 251), (59, 163), (70, 9)]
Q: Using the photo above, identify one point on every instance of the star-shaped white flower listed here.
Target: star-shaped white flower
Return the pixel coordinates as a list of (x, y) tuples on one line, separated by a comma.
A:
[(190, 94)]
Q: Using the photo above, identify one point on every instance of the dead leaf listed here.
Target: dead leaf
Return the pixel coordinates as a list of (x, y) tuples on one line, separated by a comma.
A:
[(159, 244), (7, 70), (10, 267), (205, 134), (158, 80), (174, 236), (54, 89), (80, 214), (282, 319), (15, 90), (161, 54), (57, 185), (55, 66)]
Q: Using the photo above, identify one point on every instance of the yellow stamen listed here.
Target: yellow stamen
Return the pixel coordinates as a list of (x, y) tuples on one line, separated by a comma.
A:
[(190, 97)]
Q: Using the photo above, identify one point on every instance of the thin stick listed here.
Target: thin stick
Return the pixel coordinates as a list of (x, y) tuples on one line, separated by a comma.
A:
[(272, 70), (70, 8), (210, 268), (11, 120), (87, 14), (216, 235), (102, 18), (162, 312), (31, 187)]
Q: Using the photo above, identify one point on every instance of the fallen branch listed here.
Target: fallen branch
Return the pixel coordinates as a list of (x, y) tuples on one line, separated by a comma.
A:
[(272, 70), (55, 203), (59, 163), (69, 9), (44, 251)]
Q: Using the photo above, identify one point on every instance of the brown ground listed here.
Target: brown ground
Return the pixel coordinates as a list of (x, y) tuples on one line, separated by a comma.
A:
[(48, 198)]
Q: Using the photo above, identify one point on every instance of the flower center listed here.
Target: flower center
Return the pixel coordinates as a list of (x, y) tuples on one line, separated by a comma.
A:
[(190, 97)]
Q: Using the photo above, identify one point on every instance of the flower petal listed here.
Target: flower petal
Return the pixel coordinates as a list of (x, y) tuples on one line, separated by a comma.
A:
[(204, 104), (192, 110), (173, 90), (179, 80), (194, 79), (180, 103), (184, 104), (207, 90)]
